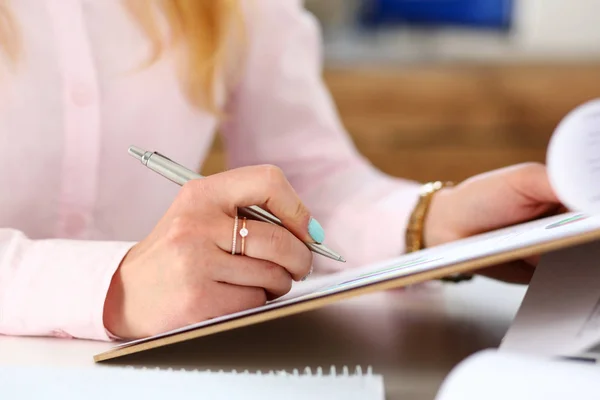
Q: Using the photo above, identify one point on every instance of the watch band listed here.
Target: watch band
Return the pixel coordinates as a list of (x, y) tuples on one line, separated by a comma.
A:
[(414, 240), (416, 224)]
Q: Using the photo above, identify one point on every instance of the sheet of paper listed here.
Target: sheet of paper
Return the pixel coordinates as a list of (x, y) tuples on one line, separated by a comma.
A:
[(560, 314), (491, 375), (118, 383), (573, 158), (472, 248)]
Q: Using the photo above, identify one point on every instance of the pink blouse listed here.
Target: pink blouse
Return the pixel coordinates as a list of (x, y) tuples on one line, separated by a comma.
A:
[(73, 200)]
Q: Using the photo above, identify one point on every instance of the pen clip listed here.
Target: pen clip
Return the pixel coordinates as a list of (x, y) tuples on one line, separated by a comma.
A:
[(165, 157)]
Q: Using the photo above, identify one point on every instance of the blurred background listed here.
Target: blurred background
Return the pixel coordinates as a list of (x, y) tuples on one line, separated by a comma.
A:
[(444, 89)]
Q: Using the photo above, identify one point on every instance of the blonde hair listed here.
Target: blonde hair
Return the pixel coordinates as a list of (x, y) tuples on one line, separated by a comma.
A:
[(206, 29)]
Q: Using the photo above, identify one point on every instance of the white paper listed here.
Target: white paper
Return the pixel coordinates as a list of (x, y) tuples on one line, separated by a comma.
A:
[(573, 159), (560, 314), (491, 375), (475, 247)]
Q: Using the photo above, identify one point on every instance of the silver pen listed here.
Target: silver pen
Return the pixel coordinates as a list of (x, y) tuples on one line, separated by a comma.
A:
[(180, 175)]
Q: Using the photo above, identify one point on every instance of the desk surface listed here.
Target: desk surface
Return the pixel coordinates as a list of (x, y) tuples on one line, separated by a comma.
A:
[(413, 337)]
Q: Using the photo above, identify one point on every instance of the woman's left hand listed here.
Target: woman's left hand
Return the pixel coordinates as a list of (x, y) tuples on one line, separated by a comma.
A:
[(490, 201)]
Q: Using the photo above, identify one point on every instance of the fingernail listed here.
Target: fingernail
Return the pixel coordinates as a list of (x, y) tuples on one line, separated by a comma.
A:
[(307, 275), (315, 230)]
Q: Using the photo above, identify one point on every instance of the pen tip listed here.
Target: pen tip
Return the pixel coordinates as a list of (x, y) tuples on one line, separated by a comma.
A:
[(342, 259), (136, 152)]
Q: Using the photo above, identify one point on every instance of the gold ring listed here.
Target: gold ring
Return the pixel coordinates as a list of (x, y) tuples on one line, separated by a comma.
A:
[(235, 226), (243, 233)]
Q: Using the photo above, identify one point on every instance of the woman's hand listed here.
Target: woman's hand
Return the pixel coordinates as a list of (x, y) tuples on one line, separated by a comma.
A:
[(490, 201), (184, 272)]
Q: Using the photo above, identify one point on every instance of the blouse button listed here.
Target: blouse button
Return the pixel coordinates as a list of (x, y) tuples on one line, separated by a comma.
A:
[(82, 94)]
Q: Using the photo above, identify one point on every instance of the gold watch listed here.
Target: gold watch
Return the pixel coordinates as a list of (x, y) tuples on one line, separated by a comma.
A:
[(414, 240)]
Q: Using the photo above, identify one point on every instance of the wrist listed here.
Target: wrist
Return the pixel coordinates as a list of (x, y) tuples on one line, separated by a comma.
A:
[(437, 227), (114, 305), (421, 232)]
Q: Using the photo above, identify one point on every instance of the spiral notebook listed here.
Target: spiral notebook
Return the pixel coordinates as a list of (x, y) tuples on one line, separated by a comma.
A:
[(126, 383)]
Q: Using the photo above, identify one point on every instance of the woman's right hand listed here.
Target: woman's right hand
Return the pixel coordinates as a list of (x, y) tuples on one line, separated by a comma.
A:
[(183, 272)]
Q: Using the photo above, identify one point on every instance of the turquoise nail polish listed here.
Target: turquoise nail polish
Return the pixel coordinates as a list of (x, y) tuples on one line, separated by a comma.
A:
[(315, 230)]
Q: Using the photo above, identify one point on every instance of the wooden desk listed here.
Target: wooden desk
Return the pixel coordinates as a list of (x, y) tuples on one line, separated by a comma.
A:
[(413, 337), (421, 121)]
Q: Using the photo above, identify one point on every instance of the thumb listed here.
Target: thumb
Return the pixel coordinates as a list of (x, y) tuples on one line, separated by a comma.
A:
[(531, 181), (267, 187)]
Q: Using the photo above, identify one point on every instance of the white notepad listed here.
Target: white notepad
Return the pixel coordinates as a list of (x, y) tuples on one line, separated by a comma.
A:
[(127, 383), (493, 375)]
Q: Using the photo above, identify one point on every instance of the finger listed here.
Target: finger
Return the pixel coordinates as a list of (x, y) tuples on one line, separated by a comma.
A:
[(246, 271), (268, 186), (531, 181), (267, 242), (517, 272), (226, 299)]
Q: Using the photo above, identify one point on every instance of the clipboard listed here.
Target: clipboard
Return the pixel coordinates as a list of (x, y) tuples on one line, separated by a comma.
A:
[(462, 256)]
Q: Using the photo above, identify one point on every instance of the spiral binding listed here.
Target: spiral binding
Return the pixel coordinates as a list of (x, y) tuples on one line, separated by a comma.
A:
[(307, 372)]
